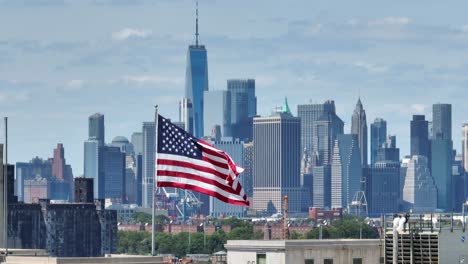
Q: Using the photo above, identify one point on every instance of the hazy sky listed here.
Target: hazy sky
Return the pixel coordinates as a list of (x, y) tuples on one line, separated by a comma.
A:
[(61, 61)]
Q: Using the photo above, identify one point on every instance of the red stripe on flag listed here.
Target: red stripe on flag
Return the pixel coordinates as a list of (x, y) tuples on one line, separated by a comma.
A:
[(202, 190), (195, 167), (184, 175)]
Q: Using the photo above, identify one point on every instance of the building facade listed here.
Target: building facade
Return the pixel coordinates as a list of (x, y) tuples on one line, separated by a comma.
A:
[(359, 128), (442, 121), (243, 107), (441, 169), (382, 187), (419, 137), (419, 190), (346, 170), (96, 128), (112, 170), (148, 164), (276, 162), (378, 136), (91, 166), (321, 186)]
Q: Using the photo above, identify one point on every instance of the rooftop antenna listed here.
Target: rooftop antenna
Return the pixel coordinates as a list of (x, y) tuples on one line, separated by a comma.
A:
[(196, 27)]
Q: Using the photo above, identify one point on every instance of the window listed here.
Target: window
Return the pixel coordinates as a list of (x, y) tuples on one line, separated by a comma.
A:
[(328, 261), (261, 259), (309, 261), (357, 260)]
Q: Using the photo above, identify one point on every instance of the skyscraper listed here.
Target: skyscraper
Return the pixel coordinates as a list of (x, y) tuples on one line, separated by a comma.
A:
[(420, 137), (441, 168), (63, 175), (325, 131), (96, 128), (309, 113), (359, 127), (378, 136), (186, 114), (217, 111), (276, 162), (419, 191), (465, 146), (321, 185), (442, 121), (243, 107), (346, 170), (388, 151), (196, 80), (137, 142), (383, 187), (112, 170), (91, 167), (148, 164)]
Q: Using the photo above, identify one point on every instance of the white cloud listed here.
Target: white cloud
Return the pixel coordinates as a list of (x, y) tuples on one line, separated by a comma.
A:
[(370, 67), (152, 79), (131, 33), (391, 21), (419, 108), (73, 85)]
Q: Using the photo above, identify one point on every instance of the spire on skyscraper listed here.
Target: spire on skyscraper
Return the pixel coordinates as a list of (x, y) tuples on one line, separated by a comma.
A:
[(196, 26), (285, 108)]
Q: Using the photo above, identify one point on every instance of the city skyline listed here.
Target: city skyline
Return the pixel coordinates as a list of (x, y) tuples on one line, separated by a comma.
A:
[(61, 76)]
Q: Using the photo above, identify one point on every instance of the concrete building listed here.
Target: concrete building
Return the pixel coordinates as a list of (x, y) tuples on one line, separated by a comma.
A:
[(36, 189), (35, 258), (217, 111), (346, 170), (248, 173), (359, 128), (328, 251), (426, 239), (276, 162), (64, 229), (137, 142), (378, 136), (419, 191), (122, 143)]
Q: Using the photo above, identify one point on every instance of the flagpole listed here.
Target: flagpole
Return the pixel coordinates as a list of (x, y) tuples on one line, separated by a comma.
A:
[(155, 179)]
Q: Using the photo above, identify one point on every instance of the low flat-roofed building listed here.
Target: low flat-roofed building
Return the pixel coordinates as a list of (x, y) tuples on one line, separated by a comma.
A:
[(311, 251)]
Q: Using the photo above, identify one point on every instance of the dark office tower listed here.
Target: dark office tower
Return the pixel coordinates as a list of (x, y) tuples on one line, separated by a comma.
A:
[(441, 168), (84, 190), (217, 111), (420, 137), (309, 113), (346, 170), (321, 184), (196, 80), (243, 95), (148, 164), (442, 121), (388, 151), (276, 157), (112, 170), (96, 128), (378, 136), (243, 107), (359, 127), (382, 187)]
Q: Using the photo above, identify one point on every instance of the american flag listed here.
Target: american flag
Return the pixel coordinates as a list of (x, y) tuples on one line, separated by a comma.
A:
[(186, 162)]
